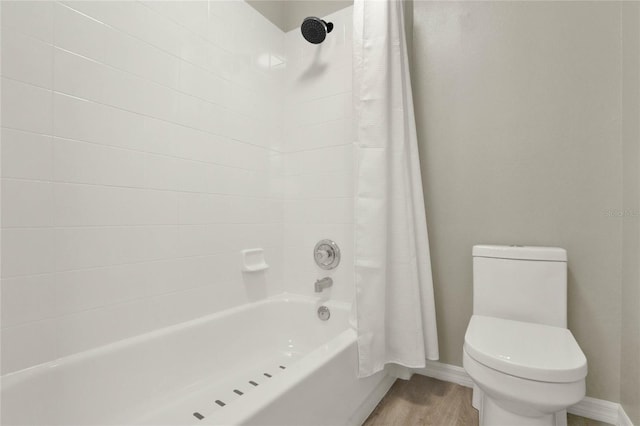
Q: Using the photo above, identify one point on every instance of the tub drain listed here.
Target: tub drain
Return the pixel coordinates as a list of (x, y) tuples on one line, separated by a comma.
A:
[(324, 313)]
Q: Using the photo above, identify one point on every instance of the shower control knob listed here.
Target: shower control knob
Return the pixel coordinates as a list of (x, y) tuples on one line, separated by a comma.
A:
[(327, 254)]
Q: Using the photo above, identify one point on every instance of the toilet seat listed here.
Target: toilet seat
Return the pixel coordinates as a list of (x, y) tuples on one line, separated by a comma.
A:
[(526, 350)]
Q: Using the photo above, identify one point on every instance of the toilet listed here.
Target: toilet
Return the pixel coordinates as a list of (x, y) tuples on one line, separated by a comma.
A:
[(526, 366)]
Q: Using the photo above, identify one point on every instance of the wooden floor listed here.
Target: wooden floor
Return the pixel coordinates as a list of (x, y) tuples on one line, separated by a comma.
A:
[(430, 402)]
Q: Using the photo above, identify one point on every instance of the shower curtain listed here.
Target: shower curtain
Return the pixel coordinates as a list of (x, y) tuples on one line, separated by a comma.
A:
[(394, 307)]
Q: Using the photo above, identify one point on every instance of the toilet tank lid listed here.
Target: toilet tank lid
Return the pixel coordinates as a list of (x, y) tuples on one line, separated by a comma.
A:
[(550, 254)]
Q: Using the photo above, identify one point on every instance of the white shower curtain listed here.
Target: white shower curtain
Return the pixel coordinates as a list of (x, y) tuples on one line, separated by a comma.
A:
[(395, 309)]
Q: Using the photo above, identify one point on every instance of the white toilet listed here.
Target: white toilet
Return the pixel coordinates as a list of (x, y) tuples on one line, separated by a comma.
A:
[(526, 366)]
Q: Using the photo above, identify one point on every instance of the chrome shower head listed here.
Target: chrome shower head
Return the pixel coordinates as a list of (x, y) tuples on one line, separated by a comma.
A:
[(315, 30)]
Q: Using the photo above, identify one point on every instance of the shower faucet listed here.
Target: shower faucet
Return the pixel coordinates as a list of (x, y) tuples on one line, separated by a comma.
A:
[(320, 285)]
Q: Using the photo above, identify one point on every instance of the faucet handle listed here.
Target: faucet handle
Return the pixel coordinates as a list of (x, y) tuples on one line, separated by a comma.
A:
[(326, 254)]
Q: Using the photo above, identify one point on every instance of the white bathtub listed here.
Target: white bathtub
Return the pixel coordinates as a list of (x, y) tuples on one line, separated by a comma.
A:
[(165, 377)]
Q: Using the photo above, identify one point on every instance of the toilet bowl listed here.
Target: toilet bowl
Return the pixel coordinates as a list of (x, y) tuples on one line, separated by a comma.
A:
[(525, 373), (526, 366)]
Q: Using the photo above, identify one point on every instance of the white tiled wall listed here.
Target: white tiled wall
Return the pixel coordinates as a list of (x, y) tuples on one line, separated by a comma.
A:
[(144, 144), (140, 153), (318, 156)]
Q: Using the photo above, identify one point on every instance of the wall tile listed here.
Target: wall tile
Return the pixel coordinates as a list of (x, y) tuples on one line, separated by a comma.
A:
[(81, 77), (88, 205), (27, 251), (313, 136), (135, 19), (26, 59), (88, 121), (26, 107), (331, 159), (78, 248), (140, 154), (319, 211), (26, 155), (324, 185), (80, 162), (112, 47), (27, 298), (26, 203), (32, 18)]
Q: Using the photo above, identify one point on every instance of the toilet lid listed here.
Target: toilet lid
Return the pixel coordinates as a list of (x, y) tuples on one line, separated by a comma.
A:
[(527, 350)]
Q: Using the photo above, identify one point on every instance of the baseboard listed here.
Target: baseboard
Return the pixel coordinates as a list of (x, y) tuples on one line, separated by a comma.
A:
[(597, 409), (591, 408), (367, 407), (445, 372), (623, 419)]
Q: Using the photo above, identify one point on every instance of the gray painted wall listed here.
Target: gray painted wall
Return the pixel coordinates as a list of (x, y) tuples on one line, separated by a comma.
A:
[(273, 10), (518, 112), (630, 343)]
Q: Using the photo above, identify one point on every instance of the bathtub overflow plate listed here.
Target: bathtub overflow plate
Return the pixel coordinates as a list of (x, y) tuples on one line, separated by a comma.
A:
[(327, 254), (324, 313)]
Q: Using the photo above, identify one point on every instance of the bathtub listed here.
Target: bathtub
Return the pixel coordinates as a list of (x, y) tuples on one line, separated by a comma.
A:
[(271, 362)]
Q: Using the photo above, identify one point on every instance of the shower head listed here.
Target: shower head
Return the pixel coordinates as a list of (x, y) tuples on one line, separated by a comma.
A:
[(315, 30)]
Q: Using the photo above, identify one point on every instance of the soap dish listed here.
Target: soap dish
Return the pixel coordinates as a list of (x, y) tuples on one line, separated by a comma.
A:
[(253, 260)]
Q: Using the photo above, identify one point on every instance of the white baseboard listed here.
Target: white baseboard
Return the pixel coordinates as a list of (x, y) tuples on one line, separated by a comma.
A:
[(623, 419), (591, 408), (597, 409), (446, 372)]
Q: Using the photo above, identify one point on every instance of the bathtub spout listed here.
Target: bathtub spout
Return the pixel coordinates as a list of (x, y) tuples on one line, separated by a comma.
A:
[(320, 285)]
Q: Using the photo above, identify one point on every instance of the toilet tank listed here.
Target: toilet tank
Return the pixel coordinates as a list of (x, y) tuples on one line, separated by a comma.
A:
[(521, 283)]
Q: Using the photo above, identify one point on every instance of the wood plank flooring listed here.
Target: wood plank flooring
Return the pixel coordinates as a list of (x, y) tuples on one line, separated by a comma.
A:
[(430, 402)]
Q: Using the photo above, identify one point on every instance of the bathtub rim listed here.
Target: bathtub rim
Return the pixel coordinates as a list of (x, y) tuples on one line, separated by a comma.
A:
[(14, 378)]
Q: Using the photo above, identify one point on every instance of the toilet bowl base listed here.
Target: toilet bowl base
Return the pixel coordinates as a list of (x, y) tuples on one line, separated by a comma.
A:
[(492, 413)]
